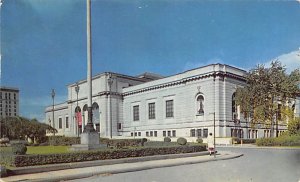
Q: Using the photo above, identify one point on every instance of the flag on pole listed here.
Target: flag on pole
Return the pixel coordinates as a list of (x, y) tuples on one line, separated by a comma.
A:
[(79, 118)]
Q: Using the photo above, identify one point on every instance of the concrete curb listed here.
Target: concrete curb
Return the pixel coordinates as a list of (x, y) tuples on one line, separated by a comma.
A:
[(63, 166), (258, 147), (140, 168)]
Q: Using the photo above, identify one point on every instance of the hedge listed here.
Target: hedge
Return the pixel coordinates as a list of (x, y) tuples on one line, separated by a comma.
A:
[(120, 143), (32, 160), (284, 140), (62, 140), (6, 157), (160, 143), (236, 140)]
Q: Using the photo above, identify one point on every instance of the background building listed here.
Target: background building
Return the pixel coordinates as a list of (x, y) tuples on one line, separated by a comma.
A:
[(9, 101), (152, 106)]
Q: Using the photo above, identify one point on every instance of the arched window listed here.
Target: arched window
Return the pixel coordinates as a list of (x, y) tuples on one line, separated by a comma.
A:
[(85, 107), (200, 104), (78, 116), (234, 108), (96, 113)]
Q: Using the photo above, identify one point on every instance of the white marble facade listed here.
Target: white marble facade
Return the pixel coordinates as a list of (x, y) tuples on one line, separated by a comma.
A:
[(150, 106)]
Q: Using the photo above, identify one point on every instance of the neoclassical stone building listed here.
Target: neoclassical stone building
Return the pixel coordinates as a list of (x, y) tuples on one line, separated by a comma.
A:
[(152, 106)]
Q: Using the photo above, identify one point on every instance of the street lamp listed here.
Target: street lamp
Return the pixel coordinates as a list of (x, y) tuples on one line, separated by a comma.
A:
[(110, 82), (77, 90), (214, 113), (53, 95)]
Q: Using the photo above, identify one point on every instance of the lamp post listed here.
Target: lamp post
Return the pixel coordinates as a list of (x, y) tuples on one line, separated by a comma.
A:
[(77, 91), (53, 95), (214, 113), (110, 82)]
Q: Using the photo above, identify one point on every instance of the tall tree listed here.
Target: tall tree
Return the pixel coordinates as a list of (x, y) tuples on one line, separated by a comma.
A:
[(20, 127), (267, 90)]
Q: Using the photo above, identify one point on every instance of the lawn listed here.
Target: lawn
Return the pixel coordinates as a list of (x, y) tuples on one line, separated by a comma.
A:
[(47, 149), (42, 149)]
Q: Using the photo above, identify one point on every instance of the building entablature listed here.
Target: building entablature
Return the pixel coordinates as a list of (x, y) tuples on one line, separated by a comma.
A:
[(184, 78), (57, 107)]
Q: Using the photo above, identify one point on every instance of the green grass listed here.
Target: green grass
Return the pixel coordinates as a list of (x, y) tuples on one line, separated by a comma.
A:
[(47, 149), (42, 149)]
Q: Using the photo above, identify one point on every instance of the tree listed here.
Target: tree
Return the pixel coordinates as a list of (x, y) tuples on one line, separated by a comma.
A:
[(20, 128), (294, 126), (267, 92)]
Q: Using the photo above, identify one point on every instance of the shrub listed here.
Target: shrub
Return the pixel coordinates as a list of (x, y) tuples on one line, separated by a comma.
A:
[(121, 143), (159, 144), (6, 156), (167, 139), (236, 140), (249, 141), (31, 160), (294, 126), (4, 141), (284, 140), (19, 149), (103, 140), (181, 141), (62, 140), (199, 140), (3, 172)]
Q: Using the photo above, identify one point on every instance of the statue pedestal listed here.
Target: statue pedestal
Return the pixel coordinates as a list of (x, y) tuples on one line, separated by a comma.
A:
[(89, 141)]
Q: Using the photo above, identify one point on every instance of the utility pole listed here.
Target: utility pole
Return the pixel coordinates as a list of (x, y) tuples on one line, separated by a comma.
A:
[(215, 134), (53, 95), (77, 109), (110, 82)]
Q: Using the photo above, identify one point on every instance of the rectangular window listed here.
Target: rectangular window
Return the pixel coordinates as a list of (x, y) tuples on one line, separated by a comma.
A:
[(119, 126), (60, 123), (98, 127), (169, 133), (136, 115), (147, 133), (155, 133), (67, 122), (151, 133), (174, 133), (205, 133), (139, 133), (169, 109), (199, 133), (164, 133), (151, 110), (131, 134), (192, 132)]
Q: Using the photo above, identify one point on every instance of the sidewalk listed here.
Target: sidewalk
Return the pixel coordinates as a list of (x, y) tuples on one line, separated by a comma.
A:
[(121, 167), (252, 146)]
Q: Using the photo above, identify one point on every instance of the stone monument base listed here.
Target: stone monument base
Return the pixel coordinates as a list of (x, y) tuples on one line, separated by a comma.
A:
[(81, 147), (89, 138), (89, 141)]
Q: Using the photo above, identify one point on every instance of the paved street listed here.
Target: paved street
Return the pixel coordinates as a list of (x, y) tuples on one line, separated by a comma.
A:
[(256, 165)]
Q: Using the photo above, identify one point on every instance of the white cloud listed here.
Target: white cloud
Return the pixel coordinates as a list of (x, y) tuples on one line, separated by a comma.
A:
[(290, 60)]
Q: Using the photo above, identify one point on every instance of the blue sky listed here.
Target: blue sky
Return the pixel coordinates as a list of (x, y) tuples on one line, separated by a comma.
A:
[(43, 42)]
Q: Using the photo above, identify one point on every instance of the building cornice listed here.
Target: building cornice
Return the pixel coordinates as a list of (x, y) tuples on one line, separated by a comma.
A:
[(104, 93), (213, 74)]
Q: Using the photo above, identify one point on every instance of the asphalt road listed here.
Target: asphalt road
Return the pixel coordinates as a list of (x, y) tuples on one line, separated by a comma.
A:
[(282, 165)]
